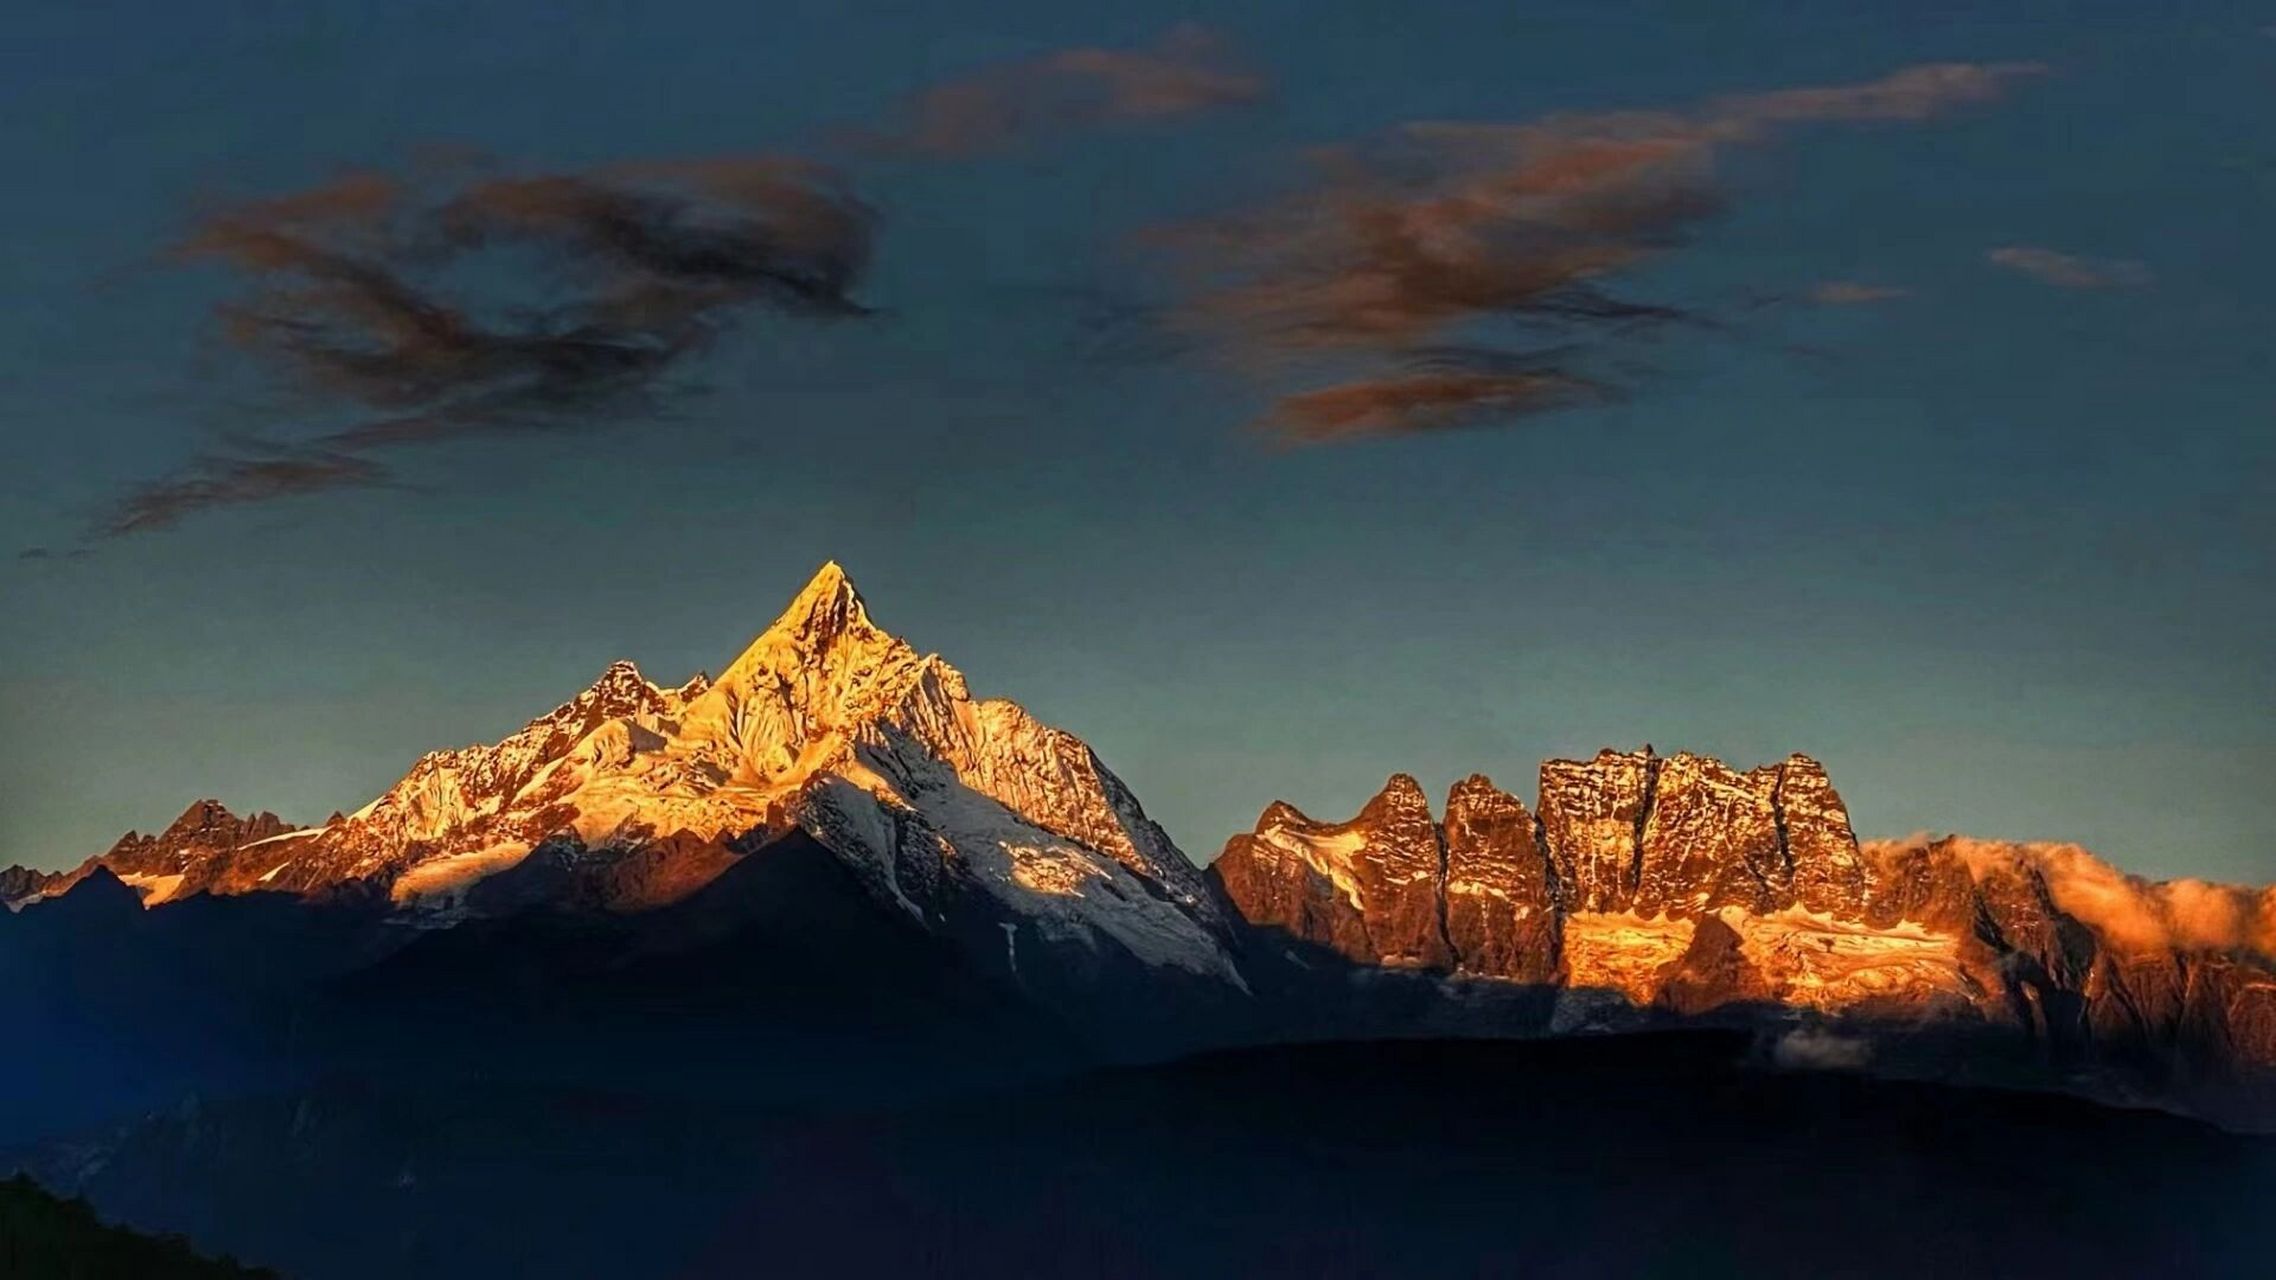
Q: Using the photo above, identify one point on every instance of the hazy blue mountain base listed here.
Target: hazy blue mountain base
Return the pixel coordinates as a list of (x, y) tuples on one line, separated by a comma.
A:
[(1660, 1154)]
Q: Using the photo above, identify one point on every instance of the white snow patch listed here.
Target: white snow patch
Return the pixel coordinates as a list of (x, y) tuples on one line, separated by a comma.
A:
[(1050, 871), (438, 877), (1622, 951), (301, 834), (1114, 903), (1813, 1049), (1822, 962), (1330, 855), (154, 889)]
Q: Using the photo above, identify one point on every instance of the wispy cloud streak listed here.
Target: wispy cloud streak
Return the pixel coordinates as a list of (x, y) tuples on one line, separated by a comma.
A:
[(2068, 271), (231, 481), (497, 303), (424, 310), (1187, 72), (1438, 230), (1853, 293)]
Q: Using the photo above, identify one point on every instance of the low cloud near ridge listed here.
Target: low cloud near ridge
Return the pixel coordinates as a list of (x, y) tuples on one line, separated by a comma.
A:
[(2135, 914)]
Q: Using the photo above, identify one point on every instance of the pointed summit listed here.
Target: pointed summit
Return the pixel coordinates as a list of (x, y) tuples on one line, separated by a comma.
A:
[(620, 680), (1401, 795), (826, 614), (620, 690), (202, 815), (821, 666), (828, 606)]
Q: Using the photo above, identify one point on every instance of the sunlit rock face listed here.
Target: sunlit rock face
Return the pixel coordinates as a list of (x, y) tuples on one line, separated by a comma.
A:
[(1592, 813), (1501, 907), (1679, 885), (1369, 888), (1918, 881), (1688, 835), (1604, 889), (1715, 969), (1710, 838), (1393, 887), (1822, 855)]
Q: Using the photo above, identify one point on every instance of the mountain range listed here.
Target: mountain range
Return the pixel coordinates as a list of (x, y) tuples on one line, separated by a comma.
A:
[(1637, 890)]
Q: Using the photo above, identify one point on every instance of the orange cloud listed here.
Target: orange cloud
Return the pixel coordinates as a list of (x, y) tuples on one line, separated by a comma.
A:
[(1851, 293), (594, 287), (1437, 228), (2131, 913), (1419, 402), (1186, 72), (1912, 93), (2066, 271)]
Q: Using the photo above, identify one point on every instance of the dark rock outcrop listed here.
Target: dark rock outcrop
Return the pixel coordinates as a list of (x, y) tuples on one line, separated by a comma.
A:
[(19, 885)]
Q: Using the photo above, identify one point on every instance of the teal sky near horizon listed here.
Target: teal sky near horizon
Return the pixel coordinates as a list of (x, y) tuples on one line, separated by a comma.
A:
[(1988, 532)]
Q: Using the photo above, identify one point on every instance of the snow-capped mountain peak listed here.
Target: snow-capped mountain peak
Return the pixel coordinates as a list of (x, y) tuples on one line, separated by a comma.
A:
[(819, 670), (827, 619), (825, 723), (828, 606)]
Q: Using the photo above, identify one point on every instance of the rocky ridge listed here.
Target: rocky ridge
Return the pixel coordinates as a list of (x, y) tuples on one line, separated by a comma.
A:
[(1682, 886), (196, 853), (1635, 885)]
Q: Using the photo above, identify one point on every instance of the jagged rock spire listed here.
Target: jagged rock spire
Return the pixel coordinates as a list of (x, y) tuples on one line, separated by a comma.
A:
[(1501, 908), (1593, 814), (1369, 887), (1670, 838), (828, 605), (826, 616)]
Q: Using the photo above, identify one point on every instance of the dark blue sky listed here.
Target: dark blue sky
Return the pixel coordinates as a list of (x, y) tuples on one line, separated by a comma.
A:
[(1995, 546)]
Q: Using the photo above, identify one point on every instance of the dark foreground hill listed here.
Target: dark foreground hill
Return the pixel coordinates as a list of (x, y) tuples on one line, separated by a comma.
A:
[(1650, 1155), (1678, 1154), (43, 1238)]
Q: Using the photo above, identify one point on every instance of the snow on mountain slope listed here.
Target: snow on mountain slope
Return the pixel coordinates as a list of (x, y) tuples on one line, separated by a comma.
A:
[(825, 723)]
